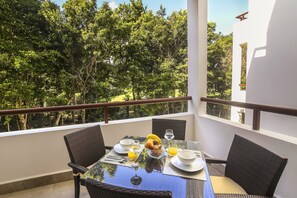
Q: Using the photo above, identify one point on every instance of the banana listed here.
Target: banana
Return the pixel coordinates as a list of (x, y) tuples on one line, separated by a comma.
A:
[(149, 140), (154, 137)]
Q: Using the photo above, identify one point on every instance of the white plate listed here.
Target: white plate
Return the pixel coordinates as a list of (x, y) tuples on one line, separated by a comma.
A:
[(119, 149), (197, 165)]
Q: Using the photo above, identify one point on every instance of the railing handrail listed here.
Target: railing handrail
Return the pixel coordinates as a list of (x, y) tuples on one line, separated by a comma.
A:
[(257, 108), (105, 105)]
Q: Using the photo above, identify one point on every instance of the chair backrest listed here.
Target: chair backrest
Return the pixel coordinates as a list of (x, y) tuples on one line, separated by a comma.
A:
[(98, 189), (178, 126), (85, 146), (253, 167)]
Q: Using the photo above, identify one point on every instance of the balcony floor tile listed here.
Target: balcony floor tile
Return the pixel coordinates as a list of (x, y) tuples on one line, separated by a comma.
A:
[(58, 190)]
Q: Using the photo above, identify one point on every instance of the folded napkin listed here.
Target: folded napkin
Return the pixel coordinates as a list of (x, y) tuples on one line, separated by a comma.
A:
[(113, 157), (170, 169)]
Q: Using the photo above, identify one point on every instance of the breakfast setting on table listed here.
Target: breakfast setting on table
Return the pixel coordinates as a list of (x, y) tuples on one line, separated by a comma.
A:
[(168, 156)]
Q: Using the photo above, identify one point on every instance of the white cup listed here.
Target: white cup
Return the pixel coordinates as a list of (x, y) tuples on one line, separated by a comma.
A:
[(186, 157), (126, 143)]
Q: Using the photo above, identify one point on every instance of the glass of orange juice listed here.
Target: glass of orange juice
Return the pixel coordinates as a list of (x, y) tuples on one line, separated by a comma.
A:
[(132, 155), (172, 151), (134, 152)]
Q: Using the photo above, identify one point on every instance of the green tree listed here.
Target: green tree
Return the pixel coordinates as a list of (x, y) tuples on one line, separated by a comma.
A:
[(25, 55), (83, 54), (219, 67)]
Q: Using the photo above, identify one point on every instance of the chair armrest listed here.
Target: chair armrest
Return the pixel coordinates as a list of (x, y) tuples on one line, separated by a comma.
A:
[(108, 147), (215, 161), (77, 168)]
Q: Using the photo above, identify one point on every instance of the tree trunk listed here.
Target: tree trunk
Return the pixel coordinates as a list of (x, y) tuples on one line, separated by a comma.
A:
[(73, 112), (127, 112), (182, 106), (62, 119), (58, 119), (83, 116), (134, 106), (169, 108), (8, 127), (22, 121), (83, 111)]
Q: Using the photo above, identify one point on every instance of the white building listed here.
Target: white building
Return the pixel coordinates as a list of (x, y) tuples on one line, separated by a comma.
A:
[(269, 35), (240, 43)]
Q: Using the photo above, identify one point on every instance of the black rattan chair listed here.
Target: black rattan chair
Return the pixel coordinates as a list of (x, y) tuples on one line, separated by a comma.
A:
[(178, 126), (256, 169), (85, 147), (98, 189)]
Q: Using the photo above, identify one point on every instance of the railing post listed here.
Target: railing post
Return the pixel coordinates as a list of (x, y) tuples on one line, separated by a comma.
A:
[(256, 119), (106, 114)]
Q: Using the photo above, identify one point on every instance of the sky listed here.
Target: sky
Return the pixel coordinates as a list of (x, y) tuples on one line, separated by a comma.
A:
[(223, 12)]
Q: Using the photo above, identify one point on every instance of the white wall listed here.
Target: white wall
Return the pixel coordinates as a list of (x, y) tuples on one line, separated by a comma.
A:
[(240, 36), (272, 74), (39, 152), (279, 69)]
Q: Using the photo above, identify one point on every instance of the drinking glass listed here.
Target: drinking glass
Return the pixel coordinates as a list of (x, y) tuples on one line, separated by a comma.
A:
[(169, 135), (134, 152)]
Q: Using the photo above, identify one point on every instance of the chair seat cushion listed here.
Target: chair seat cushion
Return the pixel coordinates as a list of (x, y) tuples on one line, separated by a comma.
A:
[(225, 185)]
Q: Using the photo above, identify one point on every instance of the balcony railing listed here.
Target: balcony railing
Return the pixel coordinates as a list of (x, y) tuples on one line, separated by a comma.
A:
[(257, 108), (92, 106), (242, 87)]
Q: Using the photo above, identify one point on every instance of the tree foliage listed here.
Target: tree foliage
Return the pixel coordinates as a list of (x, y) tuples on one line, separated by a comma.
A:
[(219, 66), (83, 54), (79, 54)]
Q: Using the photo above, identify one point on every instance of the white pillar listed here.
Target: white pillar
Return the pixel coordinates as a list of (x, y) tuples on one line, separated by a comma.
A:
[(197, 59), (197, 54)]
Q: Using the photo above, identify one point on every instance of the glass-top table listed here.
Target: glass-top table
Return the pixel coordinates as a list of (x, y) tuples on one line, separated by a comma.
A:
[(149, 176)]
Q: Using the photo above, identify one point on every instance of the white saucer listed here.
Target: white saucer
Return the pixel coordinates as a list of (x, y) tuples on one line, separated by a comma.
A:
[(119, 149), (197, 165)]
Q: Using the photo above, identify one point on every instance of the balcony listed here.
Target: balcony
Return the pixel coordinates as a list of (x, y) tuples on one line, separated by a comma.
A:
[(41, 153)]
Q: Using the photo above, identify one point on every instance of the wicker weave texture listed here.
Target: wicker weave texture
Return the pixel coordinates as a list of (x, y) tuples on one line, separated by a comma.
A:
[(253, 167), (98, 189), (86, 146), (178, 126), (238, 196)]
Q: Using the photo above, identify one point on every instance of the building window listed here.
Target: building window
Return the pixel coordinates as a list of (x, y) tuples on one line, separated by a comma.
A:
[(243, 66)]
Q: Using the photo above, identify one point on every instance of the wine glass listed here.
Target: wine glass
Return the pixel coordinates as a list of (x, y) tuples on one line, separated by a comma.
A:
[(169, 135)]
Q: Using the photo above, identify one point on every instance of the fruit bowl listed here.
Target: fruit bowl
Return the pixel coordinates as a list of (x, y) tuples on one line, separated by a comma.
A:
[(156, 156), (154, 146)]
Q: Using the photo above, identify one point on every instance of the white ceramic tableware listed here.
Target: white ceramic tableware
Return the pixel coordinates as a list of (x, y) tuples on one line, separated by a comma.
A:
[(197, 165), (186, 157), (126, 143), (119, 149)]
